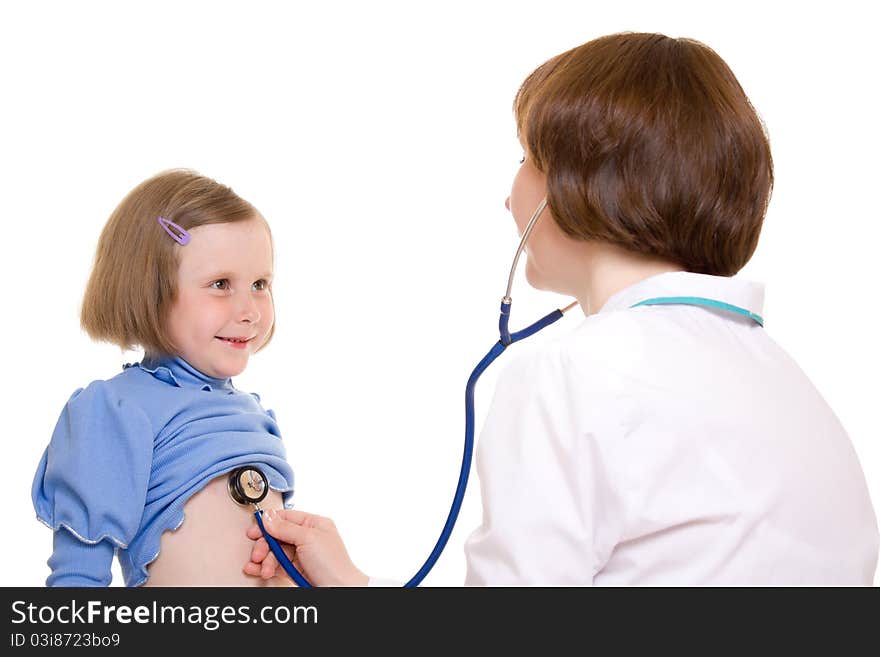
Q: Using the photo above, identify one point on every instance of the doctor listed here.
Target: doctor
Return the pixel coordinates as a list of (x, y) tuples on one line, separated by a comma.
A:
[(654, 444)]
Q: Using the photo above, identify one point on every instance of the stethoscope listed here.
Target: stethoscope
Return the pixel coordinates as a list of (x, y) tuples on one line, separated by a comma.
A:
[(249, 486)]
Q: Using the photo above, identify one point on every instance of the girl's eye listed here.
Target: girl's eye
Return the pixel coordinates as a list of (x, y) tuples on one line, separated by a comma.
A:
[(523, 159), (220, 284), (261, 285)]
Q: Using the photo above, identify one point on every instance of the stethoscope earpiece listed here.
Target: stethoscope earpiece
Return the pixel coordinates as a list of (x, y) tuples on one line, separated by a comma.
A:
[(247, 485)]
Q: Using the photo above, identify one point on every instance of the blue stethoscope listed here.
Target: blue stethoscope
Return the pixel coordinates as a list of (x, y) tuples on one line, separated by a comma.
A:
[(248, 485)]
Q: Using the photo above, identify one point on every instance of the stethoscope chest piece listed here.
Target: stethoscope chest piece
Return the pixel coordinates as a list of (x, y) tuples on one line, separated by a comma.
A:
[(248, 485)]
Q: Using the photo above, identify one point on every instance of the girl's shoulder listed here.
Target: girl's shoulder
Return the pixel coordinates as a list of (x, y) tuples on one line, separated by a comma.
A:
[(128, 387), (102, 410), (160, 394)]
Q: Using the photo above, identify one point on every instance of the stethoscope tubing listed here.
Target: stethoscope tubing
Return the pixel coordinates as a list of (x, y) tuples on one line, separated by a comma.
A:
[(497, 349), (507, 339), (289, 568)]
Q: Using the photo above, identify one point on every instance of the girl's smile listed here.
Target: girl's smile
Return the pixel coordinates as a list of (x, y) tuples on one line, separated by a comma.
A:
[(236, 343)]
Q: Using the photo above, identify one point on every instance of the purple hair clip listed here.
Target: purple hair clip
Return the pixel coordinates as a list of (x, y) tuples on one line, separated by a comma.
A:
[(181, 236)]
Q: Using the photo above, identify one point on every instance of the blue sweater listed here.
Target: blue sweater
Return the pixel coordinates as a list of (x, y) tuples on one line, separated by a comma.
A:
[(126, 455)]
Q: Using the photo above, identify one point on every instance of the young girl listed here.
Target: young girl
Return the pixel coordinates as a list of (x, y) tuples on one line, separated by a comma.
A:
[(138, 464), (668, 439)]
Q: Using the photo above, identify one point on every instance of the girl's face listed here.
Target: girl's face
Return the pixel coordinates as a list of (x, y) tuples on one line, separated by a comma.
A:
[(223, 293), (552, 256)]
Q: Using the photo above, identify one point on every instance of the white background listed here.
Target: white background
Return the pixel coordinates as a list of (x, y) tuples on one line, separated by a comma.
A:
[(378, 141)]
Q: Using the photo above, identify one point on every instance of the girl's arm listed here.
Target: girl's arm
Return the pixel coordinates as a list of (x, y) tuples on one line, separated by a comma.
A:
[(91, 484), (75, 563)]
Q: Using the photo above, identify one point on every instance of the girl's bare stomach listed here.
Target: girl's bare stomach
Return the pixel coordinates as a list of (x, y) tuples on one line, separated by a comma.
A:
[(210, 548)]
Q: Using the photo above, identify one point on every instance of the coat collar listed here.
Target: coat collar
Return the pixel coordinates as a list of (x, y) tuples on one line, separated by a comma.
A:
[(748, 295)]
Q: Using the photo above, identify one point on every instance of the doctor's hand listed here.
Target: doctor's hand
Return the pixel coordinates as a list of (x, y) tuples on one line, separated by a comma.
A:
[(320, 554)]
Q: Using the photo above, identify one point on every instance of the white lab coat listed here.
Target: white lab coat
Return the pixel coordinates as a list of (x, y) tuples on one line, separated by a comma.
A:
[(667, 445)]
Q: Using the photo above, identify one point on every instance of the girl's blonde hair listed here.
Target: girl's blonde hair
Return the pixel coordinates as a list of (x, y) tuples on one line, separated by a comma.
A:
[(651, 144), (133, 283)]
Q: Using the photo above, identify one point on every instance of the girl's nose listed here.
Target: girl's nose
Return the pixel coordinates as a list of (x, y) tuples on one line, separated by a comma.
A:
[(249, 312), (507, 203)]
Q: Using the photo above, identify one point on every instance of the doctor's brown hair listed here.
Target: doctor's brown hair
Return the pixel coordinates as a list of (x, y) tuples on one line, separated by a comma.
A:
[(134, 278), (651, 144)]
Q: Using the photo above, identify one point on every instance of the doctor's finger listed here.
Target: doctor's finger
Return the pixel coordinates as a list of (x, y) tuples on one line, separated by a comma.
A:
[(259, 550), (269, 566), (284, 530), (298, 517)]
